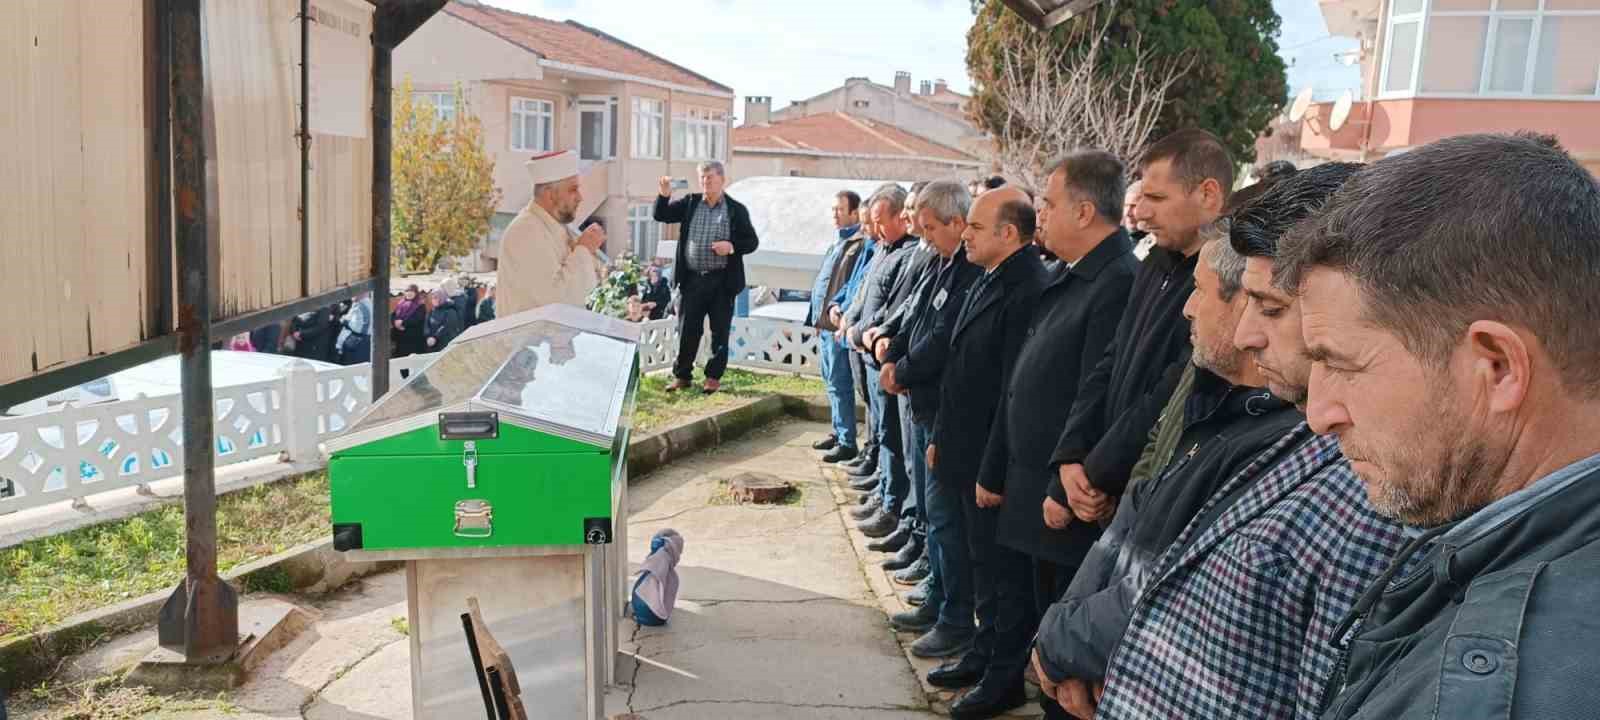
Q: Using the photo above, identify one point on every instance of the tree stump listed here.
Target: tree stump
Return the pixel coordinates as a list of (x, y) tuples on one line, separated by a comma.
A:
[(759, 489)]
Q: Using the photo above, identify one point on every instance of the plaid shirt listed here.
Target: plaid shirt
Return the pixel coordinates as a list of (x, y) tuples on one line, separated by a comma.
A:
[(1239, 624), (708, 225)]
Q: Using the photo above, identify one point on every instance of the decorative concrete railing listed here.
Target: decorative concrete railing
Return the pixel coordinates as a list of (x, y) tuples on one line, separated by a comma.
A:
[(71, 453)]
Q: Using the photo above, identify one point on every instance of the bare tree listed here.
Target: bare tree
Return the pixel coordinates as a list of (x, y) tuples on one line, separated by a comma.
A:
[(1057, 96)]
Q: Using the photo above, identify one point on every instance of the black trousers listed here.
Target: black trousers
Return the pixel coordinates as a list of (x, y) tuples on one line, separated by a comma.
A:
[(1050, 582), (858, 371), (703, 298), (1002, 588)]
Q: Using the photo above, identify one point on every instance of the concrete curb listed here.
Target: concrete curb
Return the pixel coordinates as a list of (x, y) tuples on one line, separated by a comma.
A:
[(316, 568)]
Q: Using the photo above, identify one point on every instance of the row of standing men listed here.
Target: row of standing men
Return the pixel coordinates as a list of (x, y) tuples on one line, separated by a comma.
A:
[(1100, 471)]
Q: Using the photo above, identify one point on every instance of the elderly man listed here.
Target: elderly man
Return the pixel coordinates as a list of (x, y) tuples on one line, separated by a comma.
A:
[(709, 269), (541, 260), (984, 346), (1187, 178), (1239, 616), (1447, 301), (1220, 419), (1076, 317), (833, 358)]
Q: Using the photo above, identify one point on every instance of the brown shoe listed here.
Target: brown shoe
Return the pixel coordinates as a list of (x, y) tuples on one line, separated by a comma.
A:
[(712, 385), (678, 384)]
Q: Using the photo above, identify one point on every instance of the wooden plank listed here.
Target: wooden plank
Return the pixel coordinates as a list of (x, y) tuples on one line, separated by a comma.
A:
[(257, 241), (115, 172), (283, 158), (47, 98), (14, 22)]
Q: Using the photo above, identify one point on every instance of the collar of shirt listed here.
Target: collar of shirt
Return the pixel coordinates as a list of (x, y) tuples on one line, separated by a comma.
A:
[(1505, 509), (849, 231), (706, 201)]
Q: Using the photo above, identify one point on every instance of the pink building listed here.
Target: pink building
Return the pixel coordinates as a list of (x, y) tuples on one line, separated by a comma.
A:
[(1438, 68)]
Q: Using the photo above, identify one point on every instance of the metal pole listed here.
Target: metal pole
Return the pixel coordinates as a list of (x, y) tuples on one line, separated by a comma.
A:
[(305, 148), (201, 617), (381, 138)]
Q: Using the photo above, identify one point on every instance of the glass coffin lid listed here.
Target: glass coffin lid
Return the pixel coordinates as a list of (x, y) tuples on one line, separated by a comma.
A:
[(556, 369)]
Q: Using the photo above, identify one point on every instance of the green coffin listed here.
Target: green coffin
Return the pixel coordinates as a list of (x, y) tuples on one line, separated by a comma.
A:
[(515, 435)]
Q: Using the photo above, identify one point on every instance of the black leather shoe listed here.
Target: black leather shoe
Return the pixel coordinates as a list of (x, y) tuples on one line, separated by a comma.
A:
[(894, 541), (861, 470), (919, 620), (861, 459), (915, 573), (862, 512), (839, 453), (868, 497), (828, 443), (965, 673), (879, 525), (864, 484), (907, 555), (942, 642), (985, 702), (918, 595)]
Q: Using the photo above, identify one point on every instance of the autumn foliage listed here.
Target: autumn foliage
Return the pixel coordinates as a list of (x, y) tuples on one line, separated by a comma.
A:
[(442, 180)]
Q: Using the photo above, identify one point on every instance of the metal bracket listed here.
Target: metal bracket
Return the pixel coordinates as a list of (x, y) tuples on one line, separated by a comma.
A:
[(474, 519), (469, 458)]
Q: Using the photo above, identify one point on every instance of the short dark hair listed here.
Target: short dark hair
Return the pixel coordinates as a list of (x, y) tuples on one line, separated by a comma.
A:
[(993, 181), (1258, 225), (1196, 156), (1018, 214), (1276, 168), (851, 198), (1472, 227), (1096, 176)]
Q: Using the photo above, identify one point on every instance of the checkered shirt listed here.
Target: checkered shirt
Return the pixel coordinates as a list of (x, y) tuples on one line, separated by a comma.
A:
[(709, 225), (1240, 623)]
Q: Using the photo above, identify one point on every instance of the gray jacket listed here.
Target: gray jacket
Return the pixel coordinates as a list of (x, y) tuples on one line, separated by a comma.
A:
[(1493, 617)]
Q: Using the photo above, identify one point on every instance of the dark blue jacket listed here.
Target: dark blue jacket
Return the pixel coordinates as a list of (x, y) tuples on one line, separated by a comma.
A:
[(830, 266), (919, 349)]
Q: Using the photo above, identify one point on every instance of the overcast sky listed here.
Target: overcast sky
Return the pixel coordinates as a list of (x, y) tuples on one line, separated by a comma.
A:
[(794, 50)]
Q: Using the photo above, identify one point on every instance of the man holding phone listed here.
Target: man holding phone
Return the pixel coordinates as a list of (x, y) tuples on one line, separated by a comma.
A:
[(709, 268)]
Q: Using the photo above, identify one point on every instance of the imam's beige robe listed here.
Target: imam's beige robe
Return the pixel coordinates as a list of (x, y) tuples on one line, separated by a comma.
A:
[(541, 263)]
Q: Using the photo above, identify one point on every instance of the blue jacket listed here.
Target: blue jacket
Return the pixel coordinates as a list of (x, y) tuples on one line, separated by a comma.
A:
[(830, 262)]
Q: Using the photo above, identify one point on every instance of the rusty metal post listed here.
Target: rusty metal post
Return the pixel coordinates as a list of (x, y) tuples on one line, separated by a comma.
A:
[(201, 617), (382, 323)]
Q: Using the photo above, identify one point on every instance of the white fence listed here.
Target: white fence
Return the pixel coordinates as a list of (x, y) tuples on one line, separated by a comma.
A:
[(71, 453)]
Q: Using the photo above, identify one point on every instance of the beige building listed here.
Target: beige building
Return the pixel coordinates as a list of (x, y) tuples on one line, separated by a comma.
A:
[(539, 85), (841, 145), (933, 111)]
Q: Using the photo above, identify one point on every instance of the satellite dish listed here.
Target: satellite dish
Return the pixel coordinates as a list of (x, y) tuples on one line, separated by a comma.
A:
[(1302, 103), (1341, 111)]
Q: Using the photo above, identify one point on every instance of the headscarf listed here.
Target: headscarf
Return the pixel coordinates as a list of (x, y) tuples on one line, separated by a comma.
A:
[(657, 586), (407, 308)]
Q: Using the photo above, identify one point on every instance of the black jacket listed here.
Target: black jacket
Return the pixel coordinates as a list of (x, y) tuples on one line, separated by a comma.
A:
[(1492, 622), (317, 333), (879, 284), (444, 324), (1224, 428), (1076, 317), (984, 342), (916, 269), (743, 237), (660, 293), (920, 348), (1120, 399)]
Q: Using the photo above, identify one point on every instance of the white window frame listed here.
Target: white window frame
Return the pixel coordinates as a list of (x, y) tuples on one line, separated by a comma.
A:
[(643, 230), (1495, 15), (643, 120), (701, 126), (435, 100), (606, 105), (547, 113)]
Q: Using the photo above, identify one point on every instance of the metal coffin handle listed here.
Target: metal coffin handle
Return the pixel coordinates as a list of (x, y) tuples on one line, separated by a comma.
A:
[(474, 519)]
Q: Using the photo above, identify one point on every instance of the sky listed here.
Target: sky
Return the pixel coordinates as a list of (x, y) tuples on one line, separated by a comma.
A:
[(791, 50)]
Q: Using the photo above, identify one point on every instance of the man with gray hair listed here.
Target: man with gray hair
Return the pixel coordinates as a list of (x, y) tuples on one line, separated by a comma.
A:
[(709, 269), (1447, 305)]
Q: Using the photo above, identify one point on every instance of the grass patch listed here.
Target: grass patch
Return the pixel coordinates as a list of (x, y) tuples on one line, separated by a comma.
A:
[(47, 580), (657, 408), (108, 699), (401, 625), (722, 494)]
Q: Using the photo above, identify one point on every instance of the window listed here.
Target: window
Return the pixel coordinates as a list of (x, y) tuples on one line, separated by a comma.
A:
[(1515, 48), (699, 134), (597, 128), (643, 230), (443, 103), (648, 118), (532, 125)]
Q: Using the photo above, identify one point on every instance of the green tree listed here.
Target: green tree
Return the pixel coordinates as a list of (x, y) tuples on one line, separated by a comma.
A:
[(1233, 85), (442, 183)]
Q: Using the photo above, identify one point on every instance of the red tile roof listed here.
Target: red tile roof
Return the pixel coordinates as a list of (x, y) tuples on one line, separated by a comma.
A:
[(576, 44), (837, 132)]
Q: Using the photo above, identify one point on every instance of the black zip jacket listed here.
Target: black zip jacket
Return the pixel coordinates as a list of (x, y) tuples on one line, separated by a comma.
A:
[(1225, 428), (920, 350), (1120, 399)]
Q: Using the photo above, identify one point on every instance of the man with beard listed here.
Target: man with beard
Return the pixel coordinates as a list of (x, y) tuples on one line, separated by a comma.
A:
[(1076, 317), (983, 348), (1447, 302), (1239, 615), (541, 260), (1220, 419)]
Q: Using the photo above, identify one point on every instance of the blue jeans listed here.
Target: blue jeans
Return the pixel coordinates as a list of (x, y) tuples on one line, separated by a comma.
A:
[(916, 460), (893, 485), (835, 362), (947, 543)]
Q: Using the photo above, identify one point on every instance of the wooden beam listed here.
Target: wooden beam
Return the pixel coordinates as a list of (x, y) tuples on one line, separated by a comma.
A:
[(1026, 10), (1067, 12)]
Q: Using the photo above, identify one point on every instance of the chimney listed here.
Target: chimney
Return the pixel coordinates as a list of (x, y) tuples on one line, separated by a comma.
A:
[(940, 86), (757, 109), (926, 88), (902, 83)]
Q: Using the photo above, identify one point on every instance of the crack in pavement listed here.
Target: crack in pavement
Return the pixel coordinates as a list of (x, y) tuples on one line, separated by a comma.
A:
[(775, 703), (633, 682), (715, 602), (337, 676)]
